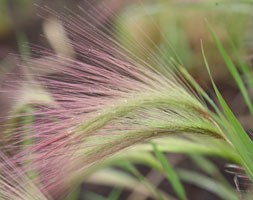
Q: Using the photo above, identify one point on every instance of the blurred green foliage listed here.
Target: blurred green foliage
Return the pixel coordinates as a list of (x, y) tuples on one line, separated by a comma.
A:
[(14, 14), (158, 30)]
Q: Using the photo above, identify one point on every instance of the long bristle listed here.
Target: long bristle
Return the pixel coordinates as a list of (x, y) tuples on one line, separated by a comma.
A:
[(102, 102)]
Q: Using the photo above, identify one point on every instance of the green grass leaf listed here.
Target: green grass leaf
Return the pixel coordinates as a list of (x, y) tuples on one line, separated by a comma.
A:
[(74, 194), (208, 184), (170, 174), (233, 129), (92, 196), (234, 72), (244, 68), (115, 194), (24, 49), (211, 169), (131, 168)]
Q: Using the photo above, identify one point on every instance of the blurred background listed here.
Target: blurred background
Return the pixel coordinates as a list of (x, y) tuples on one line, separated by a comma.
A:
[(155, 31)]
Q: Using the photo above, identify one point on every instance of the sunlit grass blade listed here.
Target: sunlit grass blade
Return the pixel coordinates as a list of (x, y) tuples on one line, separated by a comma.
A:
[(244, 68), (74, 194), (118, 178), (170, 174), (233, 129), (233, 70), (247, 73), (211, 169), (193, 145), (115, 194), (208, 184), (131, 168), (91, 196), (204, 164), (24, 49)]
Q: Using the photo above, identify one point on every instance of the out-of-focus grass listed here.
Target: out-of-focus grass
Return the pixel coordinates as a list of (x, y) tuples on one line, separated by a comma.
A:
[(237, 147), (157, 31)]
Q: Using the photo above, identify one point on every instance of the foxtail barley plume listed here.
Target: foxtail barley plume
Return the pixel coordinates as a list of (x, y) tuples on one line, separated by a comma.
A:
[(99, 102)]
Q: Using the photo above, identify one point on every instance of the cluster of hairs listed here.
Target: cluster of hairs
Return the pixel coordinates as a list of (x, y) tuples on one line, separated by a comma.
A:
[(102, 101)]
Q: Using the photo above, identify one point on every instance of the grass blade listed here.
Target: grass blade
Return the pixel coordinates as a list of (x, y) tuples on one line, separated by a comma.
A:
[(234, 130), (234, 72), (115, 194), (129, 167), (75, 194), (170, 174), (208, 184)]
